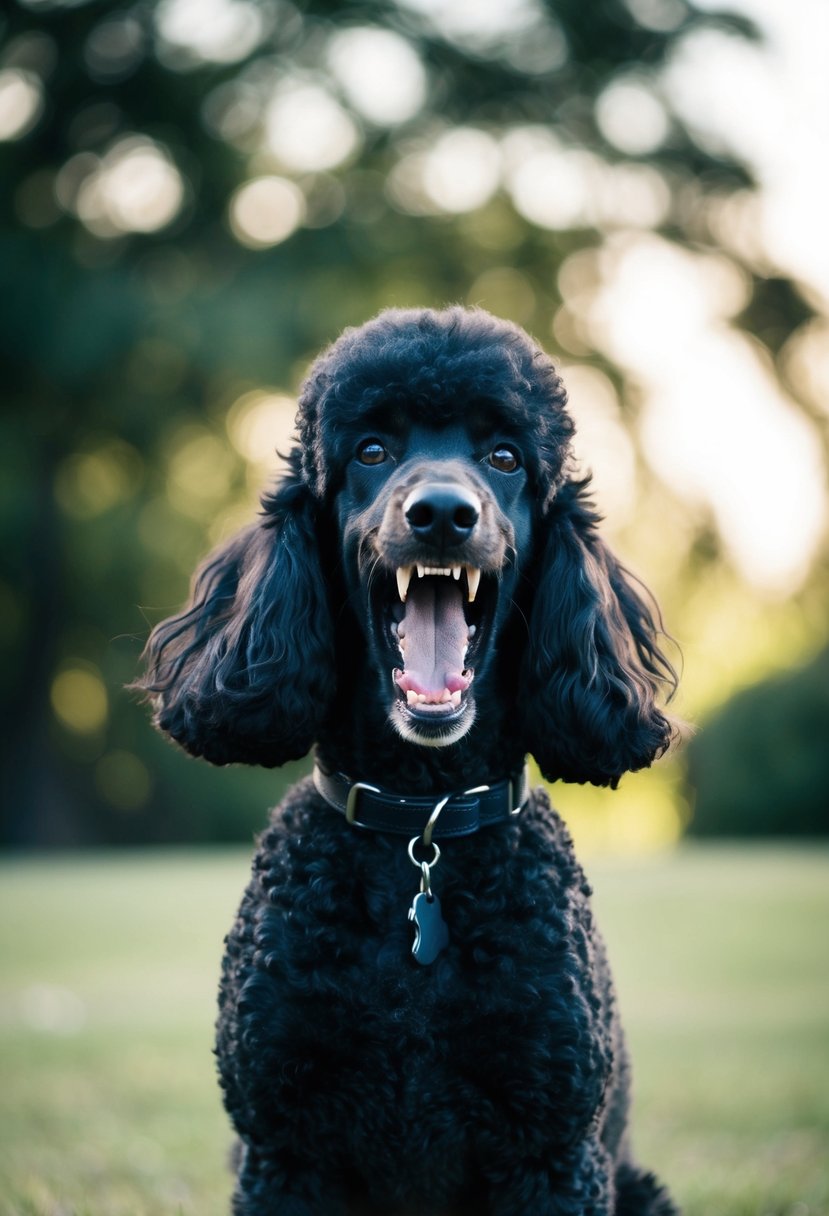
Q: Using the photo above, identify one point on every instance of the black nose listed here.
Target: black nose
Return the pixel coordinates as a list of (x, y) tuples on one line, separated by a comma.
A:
[(442, 514)]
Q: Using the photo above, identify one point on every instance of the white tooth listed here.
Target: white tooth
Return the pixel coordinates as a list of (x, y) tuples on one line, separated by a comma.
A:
[(456, 572), (470, 633), (411, 697), (456, 698), (446, 695), (473, 576), (404, 573), (421, 570), (421, 696)]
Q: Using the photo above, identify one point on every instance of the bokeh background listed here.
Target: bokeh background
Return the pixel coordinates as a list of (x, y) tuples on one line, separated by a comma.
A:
[(197, 195)]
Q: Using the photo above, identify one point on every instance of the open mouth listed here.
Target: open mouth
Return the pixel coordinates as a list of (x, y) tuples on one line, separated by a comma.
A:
[(434, 627)]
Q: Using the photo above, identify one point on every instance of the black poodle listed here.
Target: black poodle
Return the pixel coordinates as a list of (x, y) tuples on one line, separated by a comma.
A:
[(416, 1011)]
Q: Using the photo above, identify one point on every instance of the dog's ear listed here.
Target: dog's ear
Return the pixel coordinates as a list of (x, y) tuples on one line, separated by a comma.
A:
[(245, 673), (593, 668)]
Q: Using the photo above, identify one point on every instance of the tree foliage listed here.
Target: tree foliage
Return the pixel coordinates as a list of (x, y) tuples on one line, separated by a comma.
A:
[(128, 343), (761, 767)]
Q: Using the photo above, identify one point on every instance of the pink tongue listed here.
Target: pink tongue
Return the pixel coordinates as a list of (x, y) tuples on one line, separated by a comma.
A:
[(434, 637)]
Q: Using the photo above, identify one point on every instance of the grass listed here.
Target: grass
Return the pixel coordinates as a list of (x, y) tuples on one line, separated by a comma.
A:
[(108, 1102)]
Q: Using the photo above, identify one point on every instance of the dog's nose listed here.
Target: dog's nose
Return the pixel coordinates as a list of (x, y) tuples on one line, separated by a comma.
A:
[(442, 514)]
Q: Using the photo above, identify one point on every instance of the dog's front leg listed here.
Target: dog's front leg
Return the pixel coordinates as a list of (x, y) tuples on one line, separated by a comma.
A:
[(269, 1185), (575, 1183)]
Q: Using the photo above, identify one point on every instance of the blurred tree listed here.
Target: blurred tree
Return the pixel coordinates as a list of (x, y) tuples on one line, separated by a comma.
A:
[(761, 767), (198, 195)]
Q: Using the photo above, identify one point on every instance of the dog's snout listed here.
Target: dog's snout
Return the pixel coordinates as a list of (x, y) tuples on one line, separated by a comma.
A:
[(442, 514)]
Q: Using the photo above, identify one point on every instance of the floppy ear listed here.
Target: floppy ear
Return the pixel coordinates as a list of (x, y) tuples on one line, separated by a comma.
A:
[(245, 673), (593, 668)]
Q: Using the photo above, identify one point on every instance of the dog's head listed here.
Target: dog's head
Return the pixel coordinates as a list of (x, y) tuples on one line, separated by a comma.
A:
[(431, 500), (437, 438)]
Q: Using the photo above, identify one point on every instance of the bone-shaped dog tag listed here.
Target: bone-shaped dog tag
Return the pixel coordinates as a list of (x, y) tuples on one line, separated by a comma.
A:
[(431, 933)]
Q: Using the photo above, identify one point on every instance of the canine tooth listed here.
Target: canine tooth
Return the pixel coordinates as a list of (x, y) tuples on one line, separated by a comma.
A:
[(473, 576), (404, 574), (456, 572), (411, 697), (421, 570), (456, 698), (470, 633)]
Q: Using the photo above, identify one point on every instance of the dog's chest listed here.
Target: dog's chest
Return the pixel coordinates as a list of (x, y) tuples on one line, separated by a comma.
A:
[(346, 1010), (327, 1021), (513, 900)]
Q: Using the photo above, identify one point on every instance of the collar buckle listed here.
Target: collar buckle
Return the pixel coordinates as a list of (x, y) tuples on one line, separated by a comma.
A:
[(518, 791), (351, 800)]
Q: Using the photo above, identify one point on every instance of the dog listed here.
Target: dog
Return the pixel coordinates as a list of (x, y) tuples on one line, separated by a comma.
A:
[(416, 1012)]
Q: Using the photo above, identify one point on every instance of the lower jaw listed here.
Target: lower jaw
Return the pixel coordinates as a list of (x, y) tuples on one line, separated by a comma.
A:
[(431, 728)]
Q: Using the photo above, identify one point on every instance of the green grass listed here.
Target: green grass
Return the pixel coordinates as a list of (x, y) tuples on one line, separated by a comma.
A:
[(108, 1101)]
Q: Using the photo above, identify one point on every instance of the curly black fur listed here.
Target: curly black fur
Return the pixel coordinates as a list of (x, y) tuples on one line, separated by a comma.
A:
[(494, 1081)]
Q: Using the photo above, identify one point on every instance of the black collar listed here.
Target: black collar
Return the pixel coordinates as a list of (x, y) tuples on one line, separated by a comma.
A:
[(460, 813)]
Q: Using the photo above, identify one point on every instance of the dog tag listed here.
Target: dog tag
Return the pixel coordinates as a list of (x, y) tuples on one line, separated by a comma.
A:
[(431, 933)]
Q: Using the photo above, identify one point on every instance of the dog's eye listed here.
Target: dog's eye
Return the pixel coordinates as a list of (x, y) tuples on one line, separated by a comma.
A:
[(504, 458), (371, 451)]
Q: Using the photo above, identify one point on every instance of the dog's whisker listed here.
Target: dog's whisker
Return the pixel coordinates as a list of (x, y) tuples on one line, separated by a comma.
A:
[(518, 610)]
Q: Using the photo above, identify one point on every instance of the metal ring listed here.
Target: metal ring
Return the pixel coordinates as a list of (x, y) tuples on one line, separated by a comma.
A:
[(433, 818), (419, 840)]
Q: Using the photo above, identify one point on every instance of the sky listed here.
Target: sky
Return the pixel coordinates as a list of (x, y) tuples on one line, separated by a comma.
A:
[(714, 419)]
